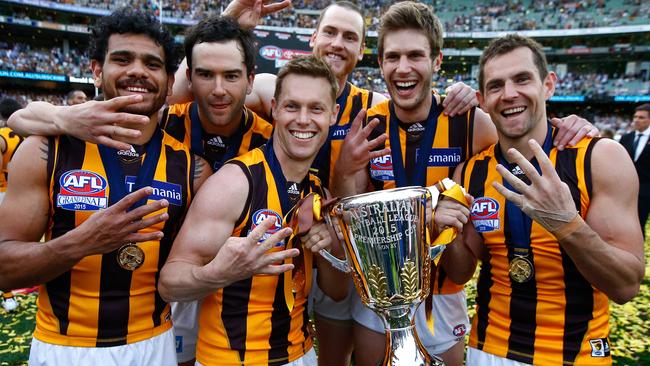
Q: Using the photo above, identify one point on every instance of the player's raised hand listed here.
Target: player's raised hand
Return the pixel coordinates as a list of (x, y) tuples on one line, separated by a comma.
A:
[(547, 199), (357, 150), (249, 12)]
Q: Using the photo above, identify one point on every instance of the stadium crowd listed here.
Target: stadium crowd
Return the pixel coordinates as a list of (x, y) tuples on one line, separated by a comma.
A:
[(53, 60), (457, 16)]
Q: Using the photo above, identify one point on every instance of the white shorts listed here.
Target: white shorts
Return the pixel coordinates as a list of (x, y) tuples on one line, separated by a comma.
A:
[(449, 312), (185, 317), (2, 196), (324, 306), (308, 359), (477, 357), (158, 350)]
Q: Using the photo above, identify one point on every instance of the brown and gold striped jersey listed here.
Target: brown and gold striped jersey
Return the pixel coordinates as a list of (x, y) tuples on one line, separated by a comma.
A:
[(555, 318), (249, 322), (97, 303), (452, 145), (182, 122)]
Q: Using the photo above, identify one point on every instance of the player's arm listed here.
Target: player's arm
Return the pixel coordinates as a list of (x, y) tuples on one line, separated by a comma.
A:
[(607, 247), (181, 92), (259, 100), (460, 256), (204, 256), (97, 122), (25, 213)]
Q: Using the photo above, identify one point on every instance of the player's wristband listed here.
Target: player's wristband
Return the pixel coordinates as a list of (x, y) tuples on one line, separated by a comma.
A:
[(569, 228)]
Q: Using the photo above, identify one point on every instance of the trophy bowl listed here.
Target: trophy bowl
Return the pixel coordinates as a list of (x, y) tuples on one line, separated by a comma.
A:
[(389, 258)]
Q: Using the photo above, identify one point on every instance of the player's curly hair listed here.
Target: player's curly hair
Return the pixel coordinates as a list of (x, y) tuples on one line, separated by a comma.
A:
[(127, 20)]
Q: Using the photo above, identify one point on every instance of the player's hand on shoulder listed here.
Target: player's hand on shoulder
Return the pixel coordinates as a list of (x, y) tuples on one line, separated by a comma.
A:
[(571, 130), (459, 99)]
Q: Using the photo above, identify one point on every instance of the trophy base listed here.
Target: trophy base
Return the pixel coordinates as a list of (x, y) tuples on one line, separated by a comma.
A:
[(405, 348)]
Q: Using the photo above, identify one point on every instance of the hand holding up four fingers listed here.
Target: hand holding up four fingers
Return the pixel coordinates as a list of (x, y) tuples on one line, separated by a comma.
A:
[(547, 199)]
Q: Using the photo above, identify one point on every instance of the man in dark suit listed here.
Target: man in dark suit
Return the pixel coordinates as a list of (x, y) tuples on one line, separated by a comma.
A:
[(637, 144)]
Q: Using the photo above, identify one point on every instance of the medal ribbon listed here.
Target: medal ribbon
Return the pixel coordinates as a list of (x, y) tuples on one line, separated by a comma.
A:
[(233, 142), (419, 178), (115, 174), (520, 224), (285, 203)]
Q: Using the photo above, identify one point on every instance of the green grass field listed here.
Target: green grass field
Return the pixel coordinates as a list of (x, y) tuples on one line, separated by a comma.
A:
[(630, 333)]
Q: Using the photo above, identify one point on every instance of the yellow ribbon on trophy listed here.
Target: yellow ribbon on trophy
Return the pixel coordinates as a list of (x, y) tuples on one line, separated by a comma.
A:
[(300, 219), (451, 189)]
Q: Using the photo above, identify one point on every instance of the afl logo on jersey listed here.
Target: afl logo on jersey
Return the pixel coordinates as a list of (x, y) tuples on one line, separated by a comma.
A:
[(485, 214), (381, 168), (82, 190), (263, 214)]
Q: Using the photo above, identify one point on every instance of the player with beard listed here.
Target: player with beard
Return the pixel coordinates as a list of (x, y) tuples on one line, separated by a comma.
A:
[(259, 317), (425, 146), (109, 222), (556, 231)]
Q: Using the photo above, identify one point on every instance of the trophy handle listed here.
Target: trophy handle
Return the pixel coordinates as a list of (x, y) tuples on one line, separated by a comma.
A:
[(341, 265)]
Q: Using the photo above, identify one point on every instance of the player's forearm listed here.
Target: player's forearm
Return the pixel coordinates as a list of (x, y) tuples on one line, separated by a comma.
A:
[(30, 264), (333, 282), (458, 261), (182, 281), (35, 119), (614, 271)]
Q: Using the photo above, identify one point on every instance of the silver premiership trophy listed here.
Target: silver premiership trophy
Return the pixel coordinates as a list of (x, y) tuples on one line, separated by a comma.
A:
[(389, 259)]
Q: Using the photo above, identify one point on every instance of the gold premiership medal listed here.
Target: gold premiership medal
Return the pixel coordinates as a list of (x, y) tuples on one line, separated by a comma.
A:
[(521, 269), (130, 256)]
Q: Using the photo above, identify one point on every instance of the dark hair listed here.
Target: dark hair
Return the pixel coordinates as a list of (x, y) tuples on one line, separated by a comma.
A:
[(308, 66), (131, 21), (506, 44), (411, 15), (349, 6), (643, 107), (8, 106), (216, 28)]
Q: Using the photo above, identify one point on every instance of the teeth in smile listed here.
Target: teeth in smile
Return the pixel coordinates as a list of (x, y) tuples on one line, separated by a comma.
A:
[(302, 135), (513, 110), (405, 84), (136, 89), (334, 56)]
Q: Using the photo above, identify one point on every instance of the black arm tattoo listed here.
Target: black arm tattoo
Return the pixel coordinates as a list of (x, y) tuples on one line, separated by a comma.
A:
[(199, 166)]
